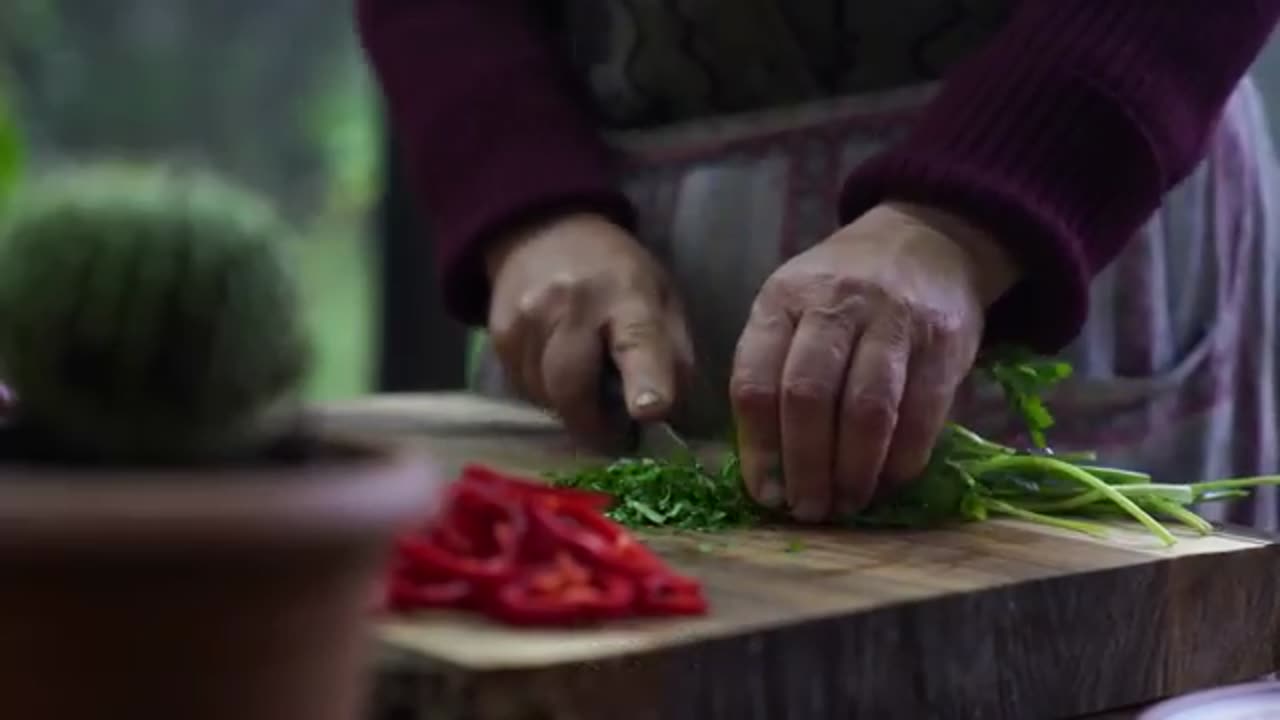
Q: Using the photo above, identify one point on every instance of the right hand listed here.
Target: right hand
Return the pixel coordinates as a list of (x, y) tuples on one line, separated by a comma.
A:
[(566, 292)]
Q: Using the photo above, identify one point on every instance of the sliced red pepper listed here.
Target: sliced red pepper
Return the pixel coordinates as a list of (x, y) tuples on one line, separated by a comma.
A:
[(435, 561), (670, 594), (590, 536), (564, 592), (530, 554), (479, 521), (404, 594), (528, 489), (478, 539)]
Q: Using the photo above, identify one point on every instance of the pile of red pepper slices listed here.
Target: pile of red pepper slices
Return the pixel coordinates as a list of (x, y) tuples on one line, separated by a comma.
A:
[(525, 553)]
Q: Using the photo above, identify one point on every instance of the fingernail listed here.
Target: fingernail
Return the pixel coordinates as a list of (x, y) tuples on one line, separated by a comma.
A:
[(647, 399)]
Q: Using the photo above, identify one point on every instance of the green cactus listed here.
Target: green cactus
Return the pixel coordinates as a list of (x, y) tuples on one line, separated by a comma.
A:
[(147, 314)]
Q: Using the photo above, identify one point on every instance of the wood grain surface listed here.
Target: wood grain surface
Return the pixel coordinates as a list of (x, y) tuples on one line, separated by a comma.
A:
[(997, 620)]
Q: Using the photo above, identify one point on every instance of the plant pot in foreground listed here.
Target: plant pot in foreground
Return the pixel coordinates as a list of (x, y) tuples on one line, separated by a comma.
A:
[(201, 594)]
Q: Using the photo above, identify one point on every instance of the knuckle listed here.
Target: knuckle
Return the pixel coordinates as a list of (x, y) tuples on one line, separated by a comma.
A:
[(769, 318), (564, 286), (560, 292), (841, 316), (839, 297), (805, 393), (847, 288), (632, 333), (938, 326), (502, 332), (872, 410), (752, 396), (897, 329)]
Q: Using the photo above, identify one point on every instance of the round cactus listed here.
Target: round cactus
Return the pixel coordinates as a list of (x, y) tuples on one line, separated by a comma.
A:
[(147, 314)]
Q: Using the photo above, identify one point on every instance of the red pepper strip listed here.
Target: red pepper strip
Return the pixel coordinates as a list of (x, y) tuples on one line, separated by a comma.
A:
[(434, 561), (527, 489), (478, 538), (563, 592), (478, 523), (404, 594), (670, 594), (591, 536)]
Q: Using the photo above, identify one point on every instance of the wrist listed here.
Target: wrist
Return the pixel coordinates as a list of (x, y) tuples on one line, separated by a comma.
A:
[(525, 234), (993, 269)]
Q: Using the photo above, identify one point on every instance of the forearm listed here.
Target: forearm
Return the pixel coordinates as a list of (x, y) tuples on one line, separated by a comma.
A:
[(492, 136), (1063, 135)]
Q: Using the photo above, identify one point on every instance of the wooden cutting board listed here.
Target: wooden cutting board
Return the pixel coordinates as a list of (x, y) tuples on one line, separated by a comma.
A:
[(997, 620)]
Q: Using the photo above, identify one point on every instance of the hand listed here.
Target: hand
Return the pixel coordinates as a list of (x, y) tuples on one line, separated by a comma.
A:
[(846, 369), (568, 291)]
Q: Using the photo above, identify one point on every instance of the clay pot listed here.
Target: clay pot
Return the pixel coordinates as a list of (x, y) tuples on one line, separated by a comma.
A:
[(218, 594)]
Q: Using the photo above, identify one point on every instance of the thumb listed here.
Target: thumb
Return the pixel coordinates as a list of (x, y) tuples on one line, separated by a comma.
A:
[(645, 357)]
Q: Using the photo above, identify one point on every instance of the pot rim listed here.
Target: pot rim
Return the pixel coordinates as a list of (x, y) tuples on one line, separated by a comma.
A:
[(369, 490)]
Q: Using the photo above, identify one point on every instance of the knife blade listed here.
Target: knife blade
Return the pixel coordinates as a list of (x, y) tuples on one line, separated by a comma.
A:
[(656, 439)]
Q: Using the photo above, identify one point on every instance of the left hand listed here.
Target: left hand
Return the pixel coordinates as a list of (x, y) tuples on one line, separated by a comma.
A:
[(847, 366)]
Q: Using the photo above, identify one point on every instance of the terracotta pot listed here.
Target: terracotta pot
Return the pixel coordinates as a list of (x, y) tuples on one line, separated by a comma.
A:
[(232, 594)]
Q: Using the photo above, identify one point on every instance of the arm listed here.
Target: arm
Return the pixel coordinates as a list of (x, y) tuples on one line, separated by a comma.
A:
[(493, 137), (1062, 136)]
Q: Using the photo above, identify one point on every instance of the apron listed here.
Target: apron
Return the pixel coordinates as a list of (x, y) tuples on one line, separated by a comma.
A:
[(1176, 367)]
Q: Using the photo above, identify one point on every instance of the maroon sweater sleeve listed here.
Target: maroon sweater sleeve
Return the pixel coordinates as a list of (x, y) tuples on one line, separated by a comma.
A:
[(1062, 136), (492, 133)]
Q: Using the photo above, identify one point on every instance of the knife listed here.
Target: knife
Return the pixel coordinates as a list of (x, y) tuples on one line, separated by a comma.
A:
[(656, 439)]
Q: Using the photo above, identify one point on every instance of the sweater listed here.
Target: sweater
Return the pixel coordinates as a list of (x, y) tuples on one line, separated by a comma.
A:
[(1059, 137)]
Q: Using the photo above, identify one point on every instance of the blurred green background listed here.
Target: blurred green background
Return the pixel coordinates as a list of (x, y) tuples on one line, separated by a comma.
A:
[(274, 94)]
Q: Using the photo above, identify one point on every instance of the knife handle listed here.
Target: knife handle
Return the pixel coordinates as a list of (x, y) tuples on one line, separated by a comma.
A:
[(613, 401)]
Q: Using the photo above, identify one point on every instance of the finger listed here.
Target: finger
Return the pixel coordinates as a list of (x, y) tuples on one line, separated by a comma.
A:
[(869, 411), (812, 376), (754, 391), (926, 401), (645, 358), (513, 342), (559, 303), (571, 364), (682, 346), (531, 379), (514, 332)]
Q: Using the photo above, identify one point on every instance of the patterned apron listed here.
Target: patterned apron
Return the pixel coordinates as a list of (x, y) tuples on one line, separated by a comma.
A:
[(735, 120)]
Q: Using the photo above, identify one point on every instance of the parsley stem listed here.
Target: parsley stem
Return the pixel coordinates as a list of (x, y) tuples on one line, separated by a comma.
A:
[(1082, 456), (1201, 488), (1116, 476), (1180, 494), (1088, 528), (979, 443), (1181, 514), (1049, 465)]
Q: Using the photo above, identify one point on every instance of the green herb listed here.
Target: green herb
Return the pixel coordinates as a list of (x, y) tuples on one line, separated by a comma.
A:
[(796, 546), (682, 495), (968, 478), (1023, 378)]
